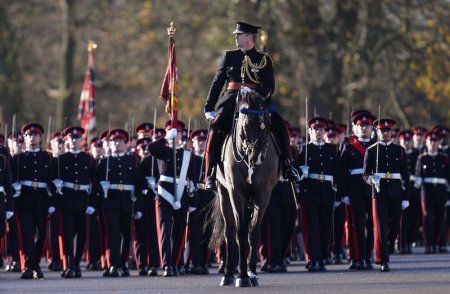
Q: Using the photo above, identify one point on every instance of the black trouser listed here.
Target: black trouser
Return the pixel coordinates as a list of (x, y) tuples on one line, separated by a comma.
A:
[(32, 233), (410, 218), (386, 218), (318, 225), (278, 226), (12, 239), (118, 234), (146, 236), (339, 227), (362, 220), (94, 239), (53, 247), (199, 235), (172, 225), (72, 224), (433, 219)]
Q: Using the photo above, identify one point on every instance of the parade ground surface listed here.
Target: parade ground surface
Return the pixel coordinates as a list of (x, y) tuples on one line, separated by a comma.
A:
[(416, 273)]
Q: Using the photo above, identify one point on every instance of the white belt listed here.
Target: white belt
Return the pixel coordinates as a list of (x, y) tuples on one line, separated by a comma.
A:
[(320, 177), (122, 187), (168, 179), (435, 181), (2, 190), (76, 187), (356, 171), (34, 184), (389, 176)]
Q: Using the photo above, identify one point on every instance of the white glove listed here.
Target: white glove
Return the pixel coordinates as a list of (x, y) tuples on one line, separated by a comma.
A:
[(210, 115), (17, 188), (90, 210), (447, 203), (171, 134), (375, 180), (58, 184), (137, 215), (245, 90), (192, 209), (51, 209), (405, 204), (336, 204), (346, 200), (417, 182), (177, 205), (9, 214), (305, 170)]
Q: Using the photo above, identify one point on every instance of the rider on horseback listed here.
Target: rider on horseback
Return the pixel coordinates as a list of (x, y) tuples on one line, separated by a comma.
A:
[(244, 69)]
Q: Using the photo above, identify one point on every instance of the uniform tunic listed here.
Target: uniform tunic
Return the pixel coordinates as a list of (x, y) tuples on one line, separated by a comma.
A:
[(435, 195), (74, 168), (117, 206), (317, 198), (32, 204), (172, 223), (146, 237), (360, 194), (387, 202)]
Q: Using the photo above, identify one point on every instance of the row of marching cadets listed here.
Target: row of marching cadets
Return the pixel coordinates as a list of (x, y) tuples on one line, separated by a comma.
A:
[(101, 198), (372, 191)]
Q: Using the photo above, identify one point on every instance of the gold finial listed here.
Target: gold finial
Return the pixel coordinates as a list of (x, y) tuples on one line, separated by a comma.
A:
[(171, 30), (91, 46), (264, 38)]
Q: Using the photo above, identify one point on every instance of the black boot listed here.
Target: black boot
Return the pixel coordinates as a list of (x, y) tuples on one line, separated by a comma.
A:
[(213, 147)]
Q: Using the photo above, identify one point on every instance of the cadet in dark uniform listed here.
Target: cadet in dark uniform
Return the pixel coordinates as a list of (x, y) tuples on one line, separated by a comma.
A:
[(317, 193), (199, 235), (411, 216), (244, 69), (53, 251), (6, 193), (32, 170), (419, 138), (95, 241), (116, 180), (172, 210), (355, 192), (16, 146), (434, 170), (389, 179), (76, 171), (146, 236)]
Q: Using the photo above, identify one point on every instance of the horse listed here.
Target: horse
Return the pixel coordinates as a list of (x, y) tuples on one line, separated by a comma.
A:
[(246, 175)]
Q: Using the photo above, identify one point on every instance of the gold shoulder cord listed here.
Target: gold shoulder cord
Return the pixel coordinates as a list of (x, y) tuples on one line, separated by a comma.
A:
[(255, 68)]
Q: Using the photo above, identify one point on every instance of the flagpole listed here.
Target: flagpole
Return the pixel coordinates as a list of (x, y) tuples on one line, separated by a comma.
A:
[(90, 48), (171, 30)]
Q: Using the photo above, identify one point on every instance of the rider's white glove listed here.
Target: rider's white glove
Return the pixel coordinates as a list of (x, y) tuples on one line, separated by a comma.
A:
[(245, 90), (336, 204), (210, 115), (171, 134)]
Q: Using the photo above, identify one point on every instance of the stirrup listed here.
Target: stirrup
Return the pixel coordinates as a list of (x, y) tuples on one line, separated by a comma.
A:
[(291, 174)]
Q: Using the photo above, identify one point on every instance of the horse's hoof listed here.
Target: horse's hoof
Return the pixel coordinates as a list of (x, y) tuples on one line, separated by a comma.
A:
[(254, 281), (227, 281), (245, 282)]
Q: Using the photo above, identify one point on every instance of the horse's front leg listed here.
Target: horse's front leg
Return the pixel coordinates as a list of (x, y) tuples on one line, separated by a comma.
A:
[(230, 237), (254, 237), (243, 279)]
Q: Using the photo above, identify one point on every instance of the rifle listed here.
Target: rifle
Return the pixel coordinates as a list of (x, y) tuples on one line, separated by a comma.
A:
[(305, 167), (376, 178), (105, 184), (16, 185)]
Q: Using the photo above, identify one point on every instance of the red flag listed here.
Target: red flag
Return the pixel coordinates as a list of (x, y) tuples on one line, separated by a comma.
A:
[(169, 86), (86, 108)]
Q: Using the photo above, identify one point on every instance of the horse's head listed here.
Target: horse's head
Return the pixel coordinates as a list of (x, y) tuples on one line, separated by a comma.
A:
[(253, 127)]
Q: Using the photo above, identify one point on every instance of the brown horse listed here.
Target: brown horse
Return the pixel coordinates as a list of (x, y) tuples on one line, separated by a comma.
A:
[(247, 174)]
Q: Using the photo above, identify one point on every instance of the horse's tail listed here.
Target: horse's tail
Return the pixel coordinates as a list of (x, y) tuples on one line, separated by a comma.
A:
[(216, 223)]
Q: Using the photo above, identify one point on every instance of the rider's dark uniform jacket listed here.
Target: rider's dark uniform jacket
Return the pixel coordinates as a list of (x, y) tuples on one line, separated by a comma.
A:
[(230, 71)]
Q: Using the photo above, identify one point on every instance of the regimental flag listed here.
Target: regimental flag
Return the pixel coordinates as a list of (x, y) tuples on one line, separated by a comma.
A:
[(169, 86), (86, 108)]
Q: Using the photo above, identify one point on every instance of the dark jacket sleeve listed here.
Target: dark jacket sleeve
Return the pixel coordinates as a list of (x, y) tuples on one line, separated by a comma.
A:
[(369, 166), (216, 85), (404, 170)]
